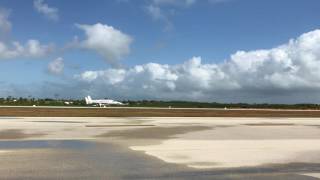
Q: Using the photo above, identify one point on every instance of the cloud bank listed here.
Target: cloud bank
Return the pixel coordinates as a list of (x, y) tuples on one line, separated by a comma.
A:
[(282, 71)]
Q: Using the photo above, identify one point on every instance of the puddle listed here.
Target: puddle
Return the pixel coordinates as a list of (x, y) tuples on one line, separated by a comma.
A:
[(153, 132), (17, 134), (58, 121), (120, 125), (269, 124), (69, 144), (317, 126)]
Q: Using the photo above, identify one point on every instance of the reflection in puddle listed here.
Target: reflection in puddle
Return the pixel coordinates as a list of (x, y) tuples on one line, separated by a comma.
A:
[(6, 118)]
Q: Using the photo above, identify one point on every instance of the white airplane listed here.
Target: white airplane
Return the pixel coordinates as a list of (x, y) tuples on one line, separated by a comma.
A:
[(102, 102)]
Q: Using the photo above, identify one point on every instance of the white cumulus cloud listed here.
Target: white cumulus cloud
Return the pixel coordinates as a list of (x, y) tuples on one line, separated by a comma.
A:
[(158, 10), (218, 1), (155, 12), (43, 8), (13, 49), (106, 40), (5, 24), (158, 14), (174, 2), (31, 49), (56, 66)]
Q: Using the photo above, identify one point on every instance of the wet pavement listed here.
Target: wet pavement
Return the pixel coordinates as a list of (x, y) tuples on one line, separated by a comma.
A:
[(102, 160)]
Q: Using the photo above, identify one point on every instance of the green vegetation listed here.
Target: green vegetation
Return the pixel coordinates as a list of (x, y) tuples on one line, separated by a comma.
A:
[(188, 104), (11, 101)]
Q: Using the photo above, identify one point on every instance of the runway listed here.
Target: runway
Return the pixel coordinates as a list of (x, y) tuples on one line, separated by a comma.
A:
[(65, 111), (160, 108), (159, 148)]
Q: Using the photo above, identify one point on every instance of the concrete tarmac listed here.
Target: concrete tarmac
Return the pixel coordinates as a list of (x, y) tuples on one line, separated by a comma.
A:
[(159, 148)]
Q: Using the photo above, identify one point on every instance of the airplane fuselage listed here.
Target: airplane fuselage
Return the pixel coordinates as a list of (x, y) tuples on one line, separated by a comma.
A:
[(102, 102)]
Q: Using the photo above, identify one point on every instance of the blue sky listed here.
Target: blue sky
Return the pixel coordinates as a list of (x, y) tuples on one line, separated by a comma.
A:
[(169, 33)]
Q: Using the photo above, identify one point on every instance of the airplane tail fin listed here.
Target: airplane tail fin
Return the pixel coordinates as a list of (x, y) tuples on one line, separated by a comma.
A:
[(88, 100)]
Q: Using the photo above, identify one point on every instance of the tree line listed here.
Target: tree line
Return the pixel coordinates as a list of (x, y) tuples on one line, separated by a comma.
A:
[(12, 101)]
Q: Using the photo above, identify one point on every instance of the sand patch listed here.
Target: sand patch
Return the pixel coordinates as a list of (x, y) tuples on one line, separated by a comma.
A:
[(316, 175), (3, 151), (232, 153)]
